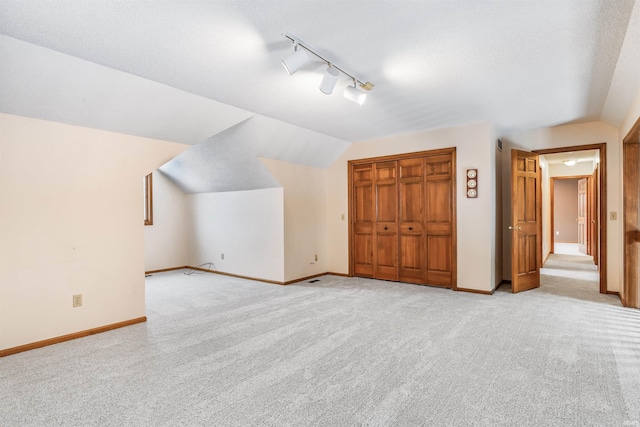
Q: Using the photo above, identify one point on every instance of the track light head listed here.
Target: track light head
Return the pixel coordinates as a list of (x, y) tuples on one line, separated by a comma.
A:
[(296, 60), (329, 80), (353, 94)]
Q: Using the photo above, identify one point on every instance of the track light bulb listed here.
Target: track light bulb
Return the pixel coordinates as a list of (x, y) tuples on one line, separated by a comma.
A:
[(329, 80), (353, 94), (296, 60)]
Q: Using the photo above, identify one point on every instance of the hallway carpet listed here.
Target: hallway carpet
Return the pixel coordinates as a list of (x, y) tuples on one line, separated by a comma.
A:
[(221, 351)]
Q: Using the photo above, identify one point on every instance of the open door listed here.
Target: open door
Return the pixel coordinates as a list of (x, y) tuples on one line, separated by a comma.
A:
[(631, 199), (526, 220), (582, 215)]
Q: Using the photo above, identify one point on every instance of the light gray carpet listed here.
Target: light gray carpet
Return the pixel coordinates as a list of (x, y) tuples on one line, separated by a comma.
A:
[(220, 351)]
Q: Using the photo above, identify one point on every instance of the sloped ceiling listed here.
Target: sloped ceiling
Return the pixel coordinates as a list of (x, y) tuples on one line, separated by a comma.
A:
[(45, 84), (42, 83), (625, 84), (283, 141), (518, 64), (227, 161)]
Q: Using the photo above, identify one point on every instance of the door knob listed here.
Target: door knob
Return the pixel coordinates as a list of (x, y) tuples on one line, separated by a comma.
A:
[(386, 228), (517, 227), (410, 228)]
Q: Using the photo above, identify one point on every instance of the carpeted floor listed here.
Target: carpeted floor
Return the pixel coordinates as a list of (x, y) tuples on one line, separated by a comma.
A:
[(220, 351)]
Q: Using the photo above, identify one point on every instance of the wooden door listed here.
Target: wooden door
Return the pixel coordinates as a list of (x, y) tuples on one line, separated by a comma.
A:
[(363, 218), (439, 218), (582, 215), (412, 242), (526, 228), (386, 227), (631, 202)]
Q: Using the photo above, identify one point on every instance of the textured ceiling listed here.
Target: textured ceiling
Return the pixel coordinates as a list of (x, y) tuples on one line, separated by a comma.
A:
[(228, 161), (42, 83), (578, 156), (225, 162), (519, 64), (625, 84)]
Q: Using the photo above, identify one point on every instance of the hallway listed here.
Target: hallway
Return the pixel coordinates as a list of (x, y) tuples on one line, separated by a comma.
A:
[(574, 276)]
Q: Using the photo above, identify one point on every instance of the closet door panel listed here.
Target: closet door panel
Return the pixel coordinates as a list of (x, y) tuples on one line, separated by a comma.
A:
[(363, 220), (439, 261), (439, 201), (387, 257), (386, 238), (439, 219), (412, 245), (363, 258)]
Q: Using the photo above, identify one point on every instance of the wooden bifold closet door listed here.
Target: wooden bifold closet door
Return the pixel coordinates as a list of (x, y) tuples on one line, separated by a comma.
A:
[(402, 218)]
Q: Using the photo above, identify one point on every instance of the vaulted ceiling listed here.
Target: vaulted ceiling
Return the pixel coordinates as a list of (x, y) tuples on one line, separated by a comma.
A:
[(186, 70)]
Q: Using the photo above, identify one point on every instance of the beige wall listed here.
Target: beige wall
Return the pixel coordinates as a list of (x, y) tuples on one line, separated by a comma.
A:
[(546, 209), (305, 217), (165, 242), (70, 223), (246, 226), (565, 210), (475, 217), (194, 229), (570, 135)]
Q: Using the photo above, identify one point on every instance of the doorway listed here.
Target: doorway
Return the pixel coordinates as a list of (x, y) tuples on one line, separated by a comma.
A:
[(586, 165), (570, 268), (573, 225)]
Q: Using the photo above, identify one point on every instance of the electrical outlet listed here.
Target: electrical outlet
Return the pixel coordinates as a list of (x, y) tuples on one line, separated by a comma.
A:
[(613, 216), (222, 257), (342, 217), (316, 257), (77, 300)]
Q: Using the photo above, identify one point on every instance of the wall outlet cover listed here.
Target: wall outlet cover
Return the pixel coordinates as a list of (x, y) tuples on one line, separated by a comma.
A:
[(77, 300)]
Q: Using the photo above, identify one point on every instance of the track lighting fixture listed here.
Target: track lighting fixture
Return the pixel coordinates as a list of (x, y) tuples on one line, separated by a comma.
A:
[(300, 59), (353, 94), (329, 80)]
